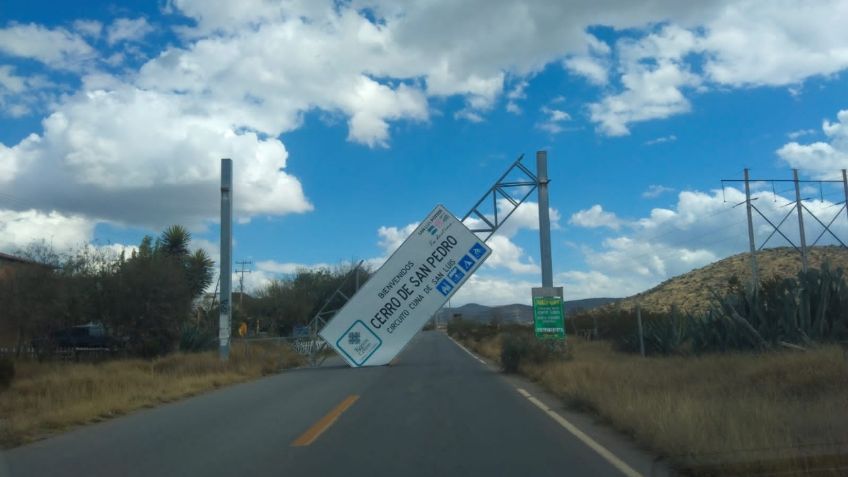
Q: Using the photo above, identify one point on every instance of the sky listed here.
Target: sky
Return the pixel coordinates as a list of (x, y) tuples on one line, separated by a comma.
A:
[(348, 121)]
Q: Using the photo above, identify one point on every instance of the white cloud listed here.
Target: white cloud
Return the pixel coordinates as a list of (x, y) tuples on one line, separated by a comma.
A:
[(516, 94), (655, 191), (509, 256), (493, 291), (20, 95), (823, 159), (57, 48), (661, 140), (288, 268), (800, 133), (593, 69), (143, 148), (699, 229), (62, 232), (654, 75), (89, 28), (595, 217), (128, 29), (553, 120), (135, 156), (392, 237), (775, 43)]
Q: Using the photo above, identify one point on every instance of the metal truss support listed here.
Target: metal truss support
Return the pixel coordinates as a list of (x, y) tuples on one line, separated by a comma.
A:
[(799, 208), (314, 345), (485, 225)]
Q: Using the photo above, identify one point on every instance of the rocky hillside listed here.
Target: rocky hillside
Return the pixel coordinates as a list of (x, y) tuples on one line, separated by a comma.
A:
[(691, 292)]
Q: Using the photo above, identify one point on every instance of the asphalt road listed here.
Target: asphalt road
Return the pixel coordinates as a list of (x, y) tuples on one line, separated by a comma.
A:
[(436, 411)]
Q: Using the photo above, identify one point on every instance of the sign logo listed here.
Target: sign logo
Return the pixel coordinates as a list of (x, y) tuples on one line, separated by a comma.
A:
[(456, 275), (358, 343), (432, 229), (444, 287), (477, 251), (466, 262)]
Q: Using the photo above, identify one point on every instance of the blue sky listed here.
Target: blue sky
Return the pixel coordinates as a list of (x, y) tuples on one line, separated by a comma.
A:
[(349, 121)]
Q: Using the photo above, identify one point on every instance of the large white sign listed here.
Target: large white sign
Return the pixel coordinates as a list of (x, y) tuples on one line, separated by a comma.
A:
[(413, 284)]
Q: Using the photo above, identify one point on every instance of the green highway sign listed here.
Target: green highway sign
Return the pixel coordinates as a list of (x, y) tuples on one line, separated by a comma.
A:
[(548, 316)]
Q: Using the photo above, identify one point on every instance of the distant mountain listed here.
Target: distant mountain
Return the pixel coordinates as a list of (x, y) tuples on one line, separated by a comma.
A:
[(515, 313)]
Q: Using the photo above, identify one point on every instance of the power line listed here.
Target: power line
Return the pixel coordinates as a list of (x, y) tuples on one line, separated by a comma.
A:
[(241, 271)]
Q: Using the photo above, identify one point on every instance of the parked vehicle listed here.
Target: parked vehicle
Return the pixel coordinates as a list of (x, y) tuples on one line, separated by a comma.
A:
[(87, 338)]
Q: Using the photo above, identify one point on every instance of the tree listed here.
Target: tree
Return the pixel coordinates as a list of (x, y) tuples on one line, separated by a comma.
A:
[(175, 241)]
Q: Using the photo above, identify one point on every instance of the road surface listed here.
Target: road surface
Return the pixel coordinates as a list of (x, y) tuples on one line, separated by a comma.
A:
[(436, 411)]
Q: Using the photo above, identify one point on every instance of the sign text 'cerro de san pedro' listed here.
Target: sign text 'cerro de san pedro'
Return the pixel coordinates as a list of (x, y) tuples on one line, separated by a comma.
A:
[(413, 284)]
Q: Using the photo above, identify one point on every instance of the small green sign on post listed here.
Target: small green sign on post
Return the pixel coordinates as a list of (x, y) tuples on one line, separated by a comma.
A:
[(548, 314)]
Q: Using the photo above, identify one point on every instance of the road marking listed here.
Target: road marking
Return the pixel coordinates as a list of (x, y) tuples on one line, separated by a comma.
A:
[(465, 349), (324, 423), (601, 450)]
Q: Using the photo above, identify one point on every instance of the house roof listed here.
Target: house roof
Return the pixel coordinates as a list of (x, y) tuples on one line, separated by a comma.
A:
[(5, 257)]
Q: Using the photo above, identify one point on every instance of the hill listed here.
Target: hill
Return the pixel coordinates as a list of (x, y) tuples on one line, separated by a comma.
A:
[(692, 291), (516, 313)]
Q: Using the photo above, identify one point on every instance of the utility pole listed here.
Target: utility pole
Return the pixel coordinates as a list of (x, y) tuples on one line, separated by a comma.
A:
[(226, 275), (241, 271), (845, 187), (754, 275), (544, 219), (800, 220)]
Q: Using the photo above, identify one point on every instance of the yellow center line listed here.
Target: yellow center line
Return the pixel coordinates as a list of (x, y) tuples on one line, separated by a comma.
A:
[(324, 423)]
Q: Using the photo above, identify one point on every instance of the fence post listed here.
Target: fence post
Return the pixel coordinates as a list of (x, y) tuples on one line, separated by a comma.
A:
[(641, 333)]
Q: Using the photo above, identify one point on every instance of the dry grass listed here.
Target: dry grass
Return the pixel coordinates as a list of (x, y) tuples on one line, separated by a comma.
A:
[(709, 409), (46, 398)]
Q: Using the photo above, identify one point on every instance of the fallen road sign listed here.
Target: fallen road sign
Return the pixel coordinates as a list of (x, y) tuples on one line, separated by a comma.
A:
[(414, 283)]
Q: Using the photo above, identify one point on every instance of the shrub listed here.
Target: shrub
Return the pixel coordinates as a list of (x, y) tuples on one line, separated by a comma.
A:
[(519, 347), (193, 339), (7, 373)]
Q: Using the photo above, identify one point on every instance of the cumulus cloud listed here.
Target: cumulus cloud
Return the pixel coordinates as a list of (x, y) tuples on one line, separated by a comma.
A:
[(738, 44), (143, 148), (594, 64), (62, 232), (823, 159), (493, 291), (128, 30), (554, 119), (516, 94), (135, 156), (699, 229), (654, 76), (57, 48), (595, 217)]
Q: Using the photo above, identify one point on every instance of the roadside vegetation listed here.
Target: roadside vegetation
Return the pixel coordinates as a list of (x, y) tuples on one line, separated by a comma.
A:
[(757, 384), (50, 397), (162, 324)]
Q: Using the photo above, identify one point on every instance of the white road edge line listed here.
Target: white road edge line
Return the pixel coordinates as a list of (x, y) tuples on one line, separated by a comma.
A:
[(465, 349), (601, 450)]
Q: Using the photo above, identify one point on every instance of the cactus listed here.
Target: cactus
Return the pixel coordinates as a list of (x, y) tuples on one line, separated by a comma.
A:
[(790, 313)]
